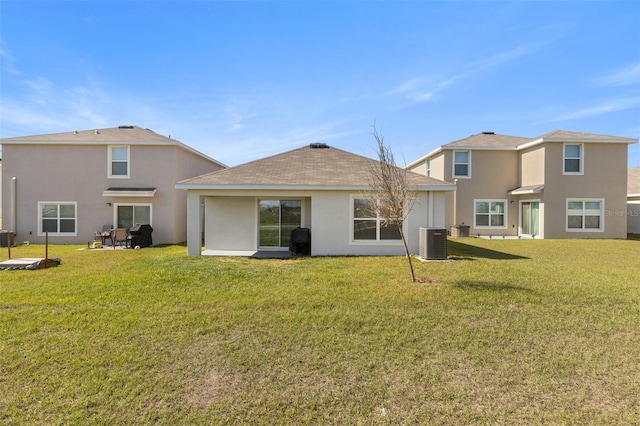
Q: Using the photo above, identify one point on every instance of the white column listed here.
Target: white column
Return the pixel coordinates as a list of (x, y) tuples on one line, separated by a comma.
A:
[(194, 224)]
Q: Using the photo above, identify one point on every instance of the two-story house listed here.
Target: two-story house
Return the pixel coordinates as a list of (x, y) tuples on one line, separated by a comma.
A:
[(559, 185), (73, 184)]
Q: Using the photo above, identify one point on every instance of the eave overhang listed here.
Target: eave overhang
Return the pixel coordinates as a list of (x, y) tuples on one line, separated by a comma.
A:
[(524, 190), (247, 187), (129, 192)]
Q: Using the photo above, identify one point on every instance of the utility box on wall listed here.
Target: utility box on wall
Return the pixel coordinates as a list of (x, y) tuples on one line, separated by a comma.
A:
[(433, 243), (5, 237)]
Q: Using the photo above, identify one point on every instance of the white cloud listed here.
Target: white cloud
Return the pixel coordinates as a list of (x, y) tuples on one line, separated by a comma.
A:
[(41, 105), (422, 89), (404, 87), (7, 61), (622, 76), (599, 109)]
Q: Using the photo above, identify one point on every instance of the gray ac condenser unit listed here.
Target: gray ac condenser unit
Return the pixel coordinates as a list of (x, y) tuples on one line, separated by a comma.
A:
[(433, 243)]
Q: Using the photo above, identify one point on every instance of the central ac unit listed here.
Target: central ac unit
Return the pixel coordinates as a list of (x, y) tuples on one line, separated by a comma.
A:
[(433, 243)]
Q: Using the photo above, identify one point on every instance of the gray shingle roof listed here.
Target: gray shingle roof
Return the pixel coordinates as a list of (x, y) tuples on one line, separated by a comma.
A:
[(130, 135), (307, 167), (633, 180), (119, 134), (491, 140), (565, 135), (488, 140)]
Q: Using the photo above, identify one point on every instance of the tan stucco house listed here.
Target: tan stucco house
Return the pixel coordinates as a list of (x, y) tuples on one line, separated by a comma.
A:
[(72, 184), (559, 185), (633, 200), (0, 189), (254, 207)]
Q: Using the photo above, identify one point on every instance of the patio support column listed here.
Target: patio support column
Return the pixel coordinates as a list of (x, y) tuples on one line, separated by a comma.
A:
[(14, 205), (194, 224)]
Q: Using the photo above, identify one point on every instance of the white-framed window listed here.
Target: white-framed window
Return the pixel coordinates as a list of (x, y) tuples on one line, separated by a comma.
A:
[(119, 162), (58, 218), (368, 227), (490, 214), (128, 215), (585, 215), (461, 164), (573, 159)]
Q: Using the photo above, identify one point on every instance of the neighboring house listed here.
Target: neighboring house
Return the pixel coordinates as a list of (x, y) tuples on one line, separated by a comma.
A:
[(559, 185), (633, 200), (72, 184), (254, 206), (0, 189)]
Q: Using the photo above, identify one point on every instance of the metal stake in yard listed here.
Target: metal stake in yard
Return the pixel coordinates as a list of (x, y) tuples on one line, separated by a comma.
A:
[(9, 243)]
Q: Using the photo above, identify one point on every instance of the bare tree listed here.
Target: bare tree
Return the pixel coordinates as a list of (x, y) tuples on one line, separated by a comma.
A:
[(390, 197)]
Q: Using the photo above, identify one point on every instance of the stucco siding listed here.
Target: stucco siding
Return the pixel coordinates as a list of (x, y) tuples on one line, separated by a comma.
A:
[(633, 216), (1, 192), (231, 221), (532, 166), (79, 173), (494, 174), (603, 178)]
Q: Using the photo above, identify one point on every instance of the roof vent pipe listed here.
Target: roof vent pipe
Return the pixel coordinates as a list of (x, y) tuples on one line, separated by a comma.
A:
[(97, 132), (318, 145)]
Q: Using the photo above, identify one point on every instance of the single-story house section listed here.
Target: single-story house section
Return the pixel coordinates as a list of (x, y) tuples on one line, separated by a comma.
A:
[(254, 207), (633, 200)]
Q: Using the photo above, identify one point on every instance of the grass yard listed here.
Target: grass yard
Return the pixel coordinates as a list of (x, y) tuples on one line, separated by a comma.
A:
[(509, 332)]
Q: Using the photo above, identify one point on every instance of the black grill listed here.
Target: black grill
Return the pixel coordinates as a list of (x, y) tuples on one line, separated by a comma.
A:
[(300, 241), (141, 236)]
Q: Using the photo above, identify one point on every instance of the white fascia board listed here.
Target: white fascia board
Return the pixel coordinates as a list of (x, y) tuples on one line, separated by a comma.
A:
[(633, 195), (423, 158), (199, 154), (538, 141), (187, 186), (481, 148)]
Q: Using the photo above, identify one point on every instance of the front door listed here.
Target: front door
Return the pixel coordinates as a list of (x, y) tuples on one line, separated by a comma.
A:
[(277, 219), (530, 218)]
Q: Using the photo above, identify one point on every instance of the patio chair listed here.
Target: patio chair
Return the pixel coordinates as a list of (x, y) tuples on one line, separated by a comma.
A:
[(120, 237), (107, 232)]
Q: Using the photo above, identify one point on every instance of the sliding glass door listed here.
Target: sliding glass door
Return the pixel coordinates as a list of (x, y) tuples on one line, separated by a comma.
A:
[(277, 219), (530, 218)]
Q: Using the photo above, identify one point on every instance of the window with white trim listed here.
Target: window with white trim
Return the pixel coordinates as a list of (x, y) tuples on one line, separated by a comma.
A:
[(573, 159), (461, 164), (490, 214), (586, 215), (369, 226), (57, 218), (119, 161)]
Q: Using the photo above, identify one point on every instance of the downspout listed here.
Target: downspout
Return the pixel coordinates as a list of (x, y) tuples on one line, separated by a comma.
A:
[(430, 213), (14, 206)]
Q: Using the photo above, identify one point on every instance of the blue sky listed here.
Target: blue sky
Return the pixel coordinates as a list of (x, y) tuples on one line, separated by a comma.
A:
[(242, 80)]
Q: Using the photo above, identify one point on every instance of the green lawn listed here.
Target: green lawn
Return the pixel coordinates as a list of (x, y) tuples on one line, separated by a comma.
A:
[(509, 332)]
